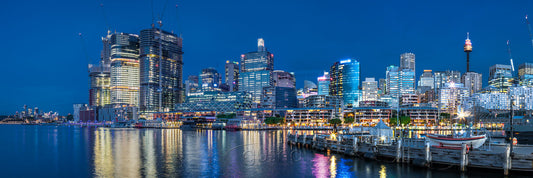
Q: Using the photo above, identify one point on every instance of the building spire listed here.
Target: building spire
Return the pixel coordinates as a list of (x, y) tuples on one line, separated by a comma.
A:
[(261, 44)]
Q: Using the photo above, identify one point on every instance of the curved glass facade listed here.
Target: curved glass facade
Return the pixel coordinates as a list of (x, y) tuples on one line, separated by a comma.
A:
[(124, 69), (345, 78)]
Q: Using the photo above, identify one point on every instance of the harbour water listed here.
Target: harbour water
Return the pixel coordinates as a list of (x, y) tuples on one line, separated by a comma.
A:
[(62, 151)]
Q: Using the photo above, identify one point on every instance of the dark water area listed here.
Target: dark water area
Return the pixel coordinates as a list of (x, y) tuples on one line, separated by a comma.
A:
[(62, 151)]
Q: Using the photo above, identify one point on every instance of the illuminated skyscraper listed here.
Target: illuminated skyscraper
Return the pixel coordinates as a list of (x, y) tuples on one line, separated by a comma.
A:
[(283, 79), (232, 75), (426, 81), (407, 81), (282, 94), (210, 79), (345, 81), (525, 74), (124, 68), (99, 85), (500, 77), (443, 77), (161, 67), (100, 77), (370, 90), (256, 71), (407, 61), (323, 84), (452, 97), (393, 81), (472, 81)]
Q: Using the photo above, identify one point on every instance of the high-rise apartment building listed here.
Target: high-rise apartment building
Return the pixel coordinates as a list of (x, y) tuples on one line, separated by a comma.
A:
[(210, 79), (256, 71), (345, 79), (323, 84), (472, 81), (370, 90), (161, 67), (232, 75), (124, 57), (500, 77), (525, 74)]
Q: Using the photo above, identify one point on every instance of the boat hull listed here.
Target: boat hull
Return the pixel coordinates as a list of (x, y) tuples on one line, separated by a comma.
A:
[(474, 142)]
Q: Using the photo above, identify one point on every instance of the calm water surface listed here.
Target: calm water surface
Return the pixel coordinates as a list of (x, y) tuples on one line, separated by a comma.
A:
[(61, 151)]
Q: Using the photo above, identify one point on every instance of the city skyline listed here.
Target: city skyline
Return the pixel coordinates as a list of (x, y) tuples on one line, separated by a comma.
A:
[(62, 79)]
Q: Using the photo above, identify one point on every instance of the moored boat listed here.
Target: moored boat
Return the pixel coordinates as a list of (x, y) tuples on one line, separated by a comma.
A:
[(232, 128), (447, 141)]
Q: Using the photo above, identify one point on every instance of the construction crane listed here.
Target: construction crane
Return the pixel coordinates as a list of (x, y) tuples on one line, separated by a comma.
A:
[(82, 42), (510, 56), (105, 16), (529, 30)]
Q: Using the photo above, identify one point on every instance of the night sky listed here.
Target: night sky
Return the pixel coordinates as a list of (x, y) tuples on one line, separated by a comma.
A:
[(44, 64)]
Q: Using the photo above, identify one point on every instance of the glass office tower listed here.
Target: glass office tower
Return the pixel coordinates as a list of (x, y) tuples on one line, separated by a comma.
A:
[(124, 68), (256, 71), (345, 81), (161, 67)]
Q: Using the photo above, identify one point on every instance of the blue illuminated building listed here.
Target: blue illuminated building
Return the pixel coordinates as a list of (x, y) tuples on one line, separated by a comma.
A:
[(345, 81)]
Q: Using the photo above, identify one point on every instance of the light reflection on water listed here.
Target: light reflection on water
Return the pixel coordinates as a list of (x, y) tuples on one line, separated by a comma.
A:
[(53, 151), (207, 153)]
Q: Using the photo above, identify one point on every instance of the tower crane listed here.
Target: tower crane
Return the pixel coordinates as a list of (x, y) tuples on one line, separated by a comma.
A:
[(529, 30), (510, 56)]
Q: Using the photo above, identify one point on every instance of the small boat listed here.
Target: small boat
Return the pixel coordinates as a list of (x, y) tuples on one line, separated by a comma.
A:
[(188, 125), (448, 141), (232, 128)]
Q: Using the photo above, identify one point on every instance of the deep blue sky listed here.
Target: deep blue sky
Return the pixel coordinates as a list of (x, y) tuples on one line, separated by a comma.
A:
[(43, 63)]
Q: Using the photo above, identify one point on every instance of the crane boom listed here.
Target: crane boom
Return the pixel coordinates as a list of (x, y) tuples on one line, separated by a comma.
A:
[(529, 30), (510, 56), (82, 42)]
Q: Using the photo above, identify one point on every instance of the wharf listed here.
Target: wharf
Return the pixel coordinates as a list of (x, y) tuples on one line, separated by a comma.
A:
[(419, 152)]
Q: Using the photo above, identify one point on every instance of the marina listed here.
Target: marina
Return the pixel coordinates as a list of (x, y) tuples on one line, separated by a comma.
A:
[(420, 152)]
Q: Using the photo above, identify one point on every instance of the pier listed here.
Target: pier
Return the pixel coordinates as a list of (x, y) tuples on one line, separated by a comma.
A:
[(419, 152)]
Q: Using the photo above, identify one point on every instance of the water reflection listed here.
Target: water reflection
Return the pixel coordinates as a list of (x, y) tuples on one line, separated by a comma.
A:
[(208, 153), (106, 152)]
